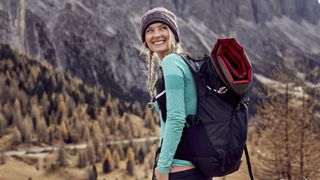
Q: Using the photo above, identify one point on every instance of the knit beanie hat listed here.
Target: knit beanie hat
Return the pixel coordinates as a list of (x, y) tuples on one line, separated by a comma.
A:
[(159, 14)]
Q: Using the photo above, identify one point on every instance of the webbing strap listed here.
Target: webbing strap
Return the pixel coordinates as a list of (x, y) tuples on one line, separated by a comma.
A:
[(155, 163), (248, 162), (156, 157)]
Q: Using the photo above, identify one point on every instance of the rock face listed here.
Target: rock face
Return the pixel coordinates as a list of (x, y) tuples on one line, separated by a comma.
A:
[(98, 40)]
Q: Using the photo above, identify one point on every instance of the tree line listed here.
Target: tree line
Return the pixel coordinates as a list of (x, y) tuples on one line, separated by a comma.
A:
[(286, 132)]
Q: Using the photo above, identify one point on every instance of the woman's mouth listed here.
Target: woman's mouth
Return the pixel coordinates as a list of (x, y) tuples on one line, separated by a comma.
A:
[(158, 42)]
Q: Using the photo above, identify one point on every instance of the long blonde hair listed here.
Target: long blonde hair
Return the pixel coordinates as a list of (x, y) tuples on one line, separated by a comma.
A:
[(153, 69)]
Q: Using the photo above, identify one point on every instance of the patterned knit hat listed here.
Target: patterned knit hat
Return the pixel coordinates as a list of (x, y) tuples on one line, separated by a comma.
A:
[(159, 14)]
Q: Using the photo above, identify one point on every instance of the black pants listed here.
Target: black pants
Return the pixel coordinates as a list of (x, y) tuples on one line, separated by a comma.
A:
[(191, 174)]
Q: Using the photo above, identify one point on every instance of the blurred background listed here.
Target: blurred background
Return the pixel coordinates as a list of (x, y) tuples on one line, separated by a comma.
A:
[(73, 85)]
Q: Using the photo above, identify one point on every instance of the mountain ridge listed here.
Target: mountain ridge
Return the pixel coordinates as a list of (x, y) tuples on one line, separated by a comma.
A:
[(99, 40)]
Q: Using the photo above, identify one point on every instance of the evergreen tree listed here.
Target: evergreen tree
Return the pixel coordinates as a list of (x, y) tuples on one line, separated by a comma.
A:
[(26, 130), (141, 156), (116, 159), (17, 137), (2, 159), (91, 152), (61, 159), (93, 175), (108, 163), (42, 131), (130, 162), (82, 159), (3, 125), (130, 167)]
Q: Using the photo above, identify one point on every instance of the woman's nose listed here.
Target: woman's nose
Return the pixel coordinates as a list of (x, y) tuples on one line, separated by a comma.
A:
[(156, 33)]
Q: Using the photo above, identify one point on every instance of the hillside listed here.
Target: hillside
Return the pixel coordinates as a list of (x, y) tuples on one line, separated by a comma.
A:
[(33, 93), (42, 107)]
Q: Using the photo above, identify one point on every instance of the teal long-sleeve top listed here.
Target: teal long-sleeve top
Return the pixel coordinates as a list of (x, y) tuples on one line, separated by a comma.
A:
[(181, 101)]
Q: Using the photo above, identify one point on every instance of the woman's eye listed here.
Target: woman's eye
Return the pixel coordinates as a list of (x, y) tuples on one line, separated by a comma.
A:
[(148, 31), (163, 27)]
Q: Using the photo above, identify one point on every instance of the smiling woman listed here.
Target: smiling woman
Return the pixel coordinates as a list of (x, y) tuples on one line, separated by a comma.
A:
[(160, 35)]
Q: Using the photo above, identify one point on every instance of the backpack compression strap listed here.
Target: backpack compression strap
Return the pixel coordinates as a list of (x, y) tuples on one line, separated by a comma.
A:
[(155, 163), (156, 158), (248, 162)]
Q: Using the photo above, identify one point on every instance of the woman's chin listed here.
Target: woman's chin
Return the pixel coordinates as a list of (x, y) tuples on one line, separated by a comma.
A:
[(161, 49)]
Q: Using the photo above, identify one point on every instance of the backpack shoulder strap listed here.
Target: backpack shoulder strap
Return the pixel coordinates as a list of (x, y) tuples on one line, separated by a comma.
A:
[(193, 64), (203, 67)]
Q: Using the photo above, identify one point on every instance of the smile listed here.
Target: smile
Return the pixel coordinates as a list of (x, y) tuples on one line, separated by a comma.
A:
[(159, 42)]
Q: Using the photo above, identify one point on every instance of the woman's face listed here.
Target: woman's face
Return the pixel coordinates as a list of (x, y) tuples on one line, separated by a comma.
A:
[(158, 38)]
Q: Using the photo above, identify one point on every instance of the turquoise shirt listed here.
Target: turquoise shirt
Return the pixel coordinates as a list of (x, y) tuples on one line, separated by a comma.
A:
[(181, 101)]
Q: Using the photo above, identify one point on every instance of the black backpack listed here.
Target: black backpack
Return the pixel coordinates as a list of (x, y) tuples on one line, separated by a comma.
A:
[(213, 139)]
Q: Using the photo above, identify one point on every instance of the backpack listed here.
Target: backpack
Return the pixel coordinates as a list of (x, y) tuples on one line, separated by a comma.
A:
[(213, 139)]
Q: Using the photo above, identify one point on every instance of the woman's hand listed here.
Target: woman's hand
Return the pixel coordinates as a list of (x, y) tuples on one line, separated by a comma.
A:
[(160, 176)]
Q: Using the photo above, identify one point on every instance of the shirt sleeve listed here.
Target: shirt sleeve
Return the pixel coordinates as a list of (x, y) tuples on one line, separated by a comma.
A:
[(174, 85)]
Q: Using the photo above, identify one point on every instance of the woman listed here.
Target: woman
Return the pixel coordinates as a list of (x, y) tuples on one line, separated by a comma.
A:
[(160, 35)]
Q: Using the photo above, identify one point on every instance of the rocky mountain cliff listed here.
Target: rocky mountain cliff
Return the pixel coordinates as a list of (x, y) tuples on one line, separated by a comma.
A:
[(98, 40)]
